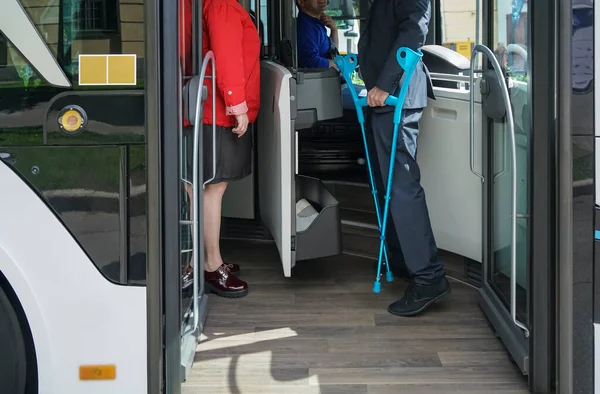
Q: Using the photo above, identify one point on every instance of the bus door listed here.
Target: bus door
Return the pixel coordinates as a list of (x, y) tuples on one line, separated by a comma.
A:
[(175, 189), (517, 97), (85, 85), (488, 190)]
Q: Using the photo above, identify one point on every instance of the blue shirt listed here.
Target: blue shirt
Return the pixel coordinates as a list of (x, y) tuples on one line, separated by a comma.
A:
[(313, 43)]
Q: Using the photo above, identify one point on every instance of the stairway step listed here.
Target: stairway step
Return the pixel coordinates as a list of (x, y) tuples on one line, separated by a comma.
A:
[(367, 218), (355, 196)]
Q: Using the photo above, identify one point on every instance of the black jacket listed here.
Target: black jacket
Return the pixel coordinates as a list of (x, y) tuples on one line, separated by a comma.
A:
[(393, 24)]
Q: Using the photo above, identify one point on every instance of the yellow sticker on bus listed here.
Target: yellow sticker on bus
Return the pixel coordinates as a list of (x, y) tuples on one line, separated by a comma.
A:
[(107, 70), (97, 372)]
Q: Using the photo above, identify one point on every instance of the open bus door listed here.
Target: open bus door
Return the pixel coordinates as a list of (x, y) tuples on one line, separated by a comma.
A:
[(490, 131), (90, 144), (176, 315)]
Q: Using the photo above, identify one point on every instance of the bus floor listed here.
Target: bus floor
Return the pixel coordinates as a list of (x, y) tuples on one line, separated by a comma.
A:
[(324, 331)]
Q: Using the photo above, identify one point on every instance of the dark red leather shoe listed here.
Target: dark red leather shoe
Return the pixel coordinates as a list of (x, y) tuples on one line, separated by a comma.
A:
[(233, 268), (222, 283), (187, 276)]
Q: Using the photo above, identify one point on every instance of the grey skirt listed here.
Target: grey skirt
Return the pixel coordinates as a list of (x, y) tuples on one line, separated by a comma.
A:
[(233, 154)]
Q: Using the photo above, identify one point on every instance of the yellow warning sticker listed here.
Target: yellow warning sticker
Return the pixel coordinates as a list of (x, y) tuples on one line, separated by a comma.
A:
[(107, 70)]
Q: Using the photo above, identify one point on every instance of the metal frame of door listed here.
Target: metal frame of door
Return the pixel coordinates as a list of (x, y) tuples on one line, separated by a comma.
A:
[(534, 353), (163, 188), (171, 341)]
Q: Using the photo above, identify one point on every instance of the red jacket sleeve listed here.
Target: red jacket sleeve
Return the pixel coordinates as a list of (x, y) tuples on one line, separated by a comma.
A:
[(225, 34)]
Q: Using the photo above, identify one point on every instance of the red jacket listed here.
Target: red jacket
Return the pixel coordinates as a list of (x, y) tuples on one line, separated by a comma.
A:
[(229, 32)]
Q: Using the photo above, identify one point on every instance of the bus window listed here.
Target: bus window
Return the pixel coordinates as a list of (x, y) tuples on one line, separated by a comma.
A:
[(346, 14), (459, 26), (79, 27)]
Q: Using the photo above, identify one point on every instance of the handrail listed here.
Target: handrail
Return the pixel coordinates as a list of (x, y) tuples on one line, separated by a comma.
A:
[(511, 127), (449, 77), (196, 176), (210, 56), (472, 116)]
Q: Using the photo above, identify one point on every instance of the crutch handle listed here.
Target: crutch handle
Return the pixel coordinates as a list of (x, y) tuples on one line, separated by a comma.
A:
[(407, 59), (392, 101)]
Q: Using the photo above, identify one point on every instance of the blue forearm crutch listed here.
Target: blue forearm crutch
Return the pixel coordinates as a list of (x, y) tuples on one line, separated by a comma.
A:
[(347, 65), (408, 60)]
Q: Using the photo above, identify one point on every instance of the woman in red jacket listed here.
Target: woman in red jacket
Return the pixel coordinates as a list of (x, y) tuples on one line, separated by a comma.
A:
[(228, 31)]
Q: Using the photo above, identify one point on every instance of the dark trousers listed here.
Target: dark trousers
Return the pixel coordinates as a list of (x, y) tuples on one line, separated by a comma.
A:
[(409, 235)]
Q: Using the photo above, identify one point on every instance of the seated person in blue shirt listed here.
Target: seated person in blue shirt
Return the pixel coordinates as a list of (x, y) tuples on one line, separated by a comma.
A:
[(315, 48)]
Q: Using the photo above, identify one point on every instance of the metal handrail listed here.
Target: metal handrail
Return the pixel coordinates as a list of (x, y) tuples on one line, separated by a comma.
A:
[(210, 56), (472, 115), (511, 128), (450, 77), (196, 176)]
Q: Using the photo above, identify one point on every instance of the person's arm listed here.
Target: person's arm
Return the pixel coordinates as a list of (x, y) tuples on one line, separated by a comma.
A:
[(225, 34), (330, 23), (308, 51), (412, 32), (334, 37)]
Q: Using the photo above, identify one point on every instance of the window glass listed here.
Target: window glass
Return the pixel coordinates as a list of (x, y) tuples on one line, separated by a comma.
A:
[(347, 16), (349, 9), (265, 22), (458, 27), (77, 27)]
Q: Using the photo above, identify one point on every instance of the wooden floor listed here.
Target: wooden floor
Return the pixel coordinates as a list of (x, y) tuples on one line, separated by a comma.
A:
[(324, 331)]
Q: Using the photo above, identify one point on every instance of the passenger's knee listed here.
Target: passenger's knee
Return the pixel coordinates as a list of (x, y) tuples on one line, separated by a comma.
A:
[(217, 188)]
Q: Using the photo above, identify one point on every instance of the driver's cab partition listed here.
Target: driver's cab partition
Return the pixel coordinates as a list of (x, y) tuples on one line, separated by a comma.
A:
[(446, 150), (301, 214), (299, 211)]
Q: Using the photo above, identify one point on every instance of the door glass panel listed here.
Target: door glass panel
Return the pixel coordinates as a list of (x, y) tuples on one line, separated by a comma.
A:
[(511, 49)]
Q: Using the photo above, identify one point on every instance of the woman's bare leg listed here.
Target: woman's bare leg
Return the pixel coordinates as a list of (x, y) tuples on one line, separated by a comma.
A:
[(213, 198)]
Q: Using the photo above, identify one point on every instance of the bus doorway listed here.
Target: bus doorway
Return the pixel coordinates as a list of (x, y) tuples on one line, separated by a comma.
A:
[(95, 157), (490, 197)]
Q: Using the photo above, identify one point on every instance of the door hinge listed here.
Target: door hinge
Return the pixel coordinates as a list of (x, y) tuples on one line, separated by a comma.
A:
[(293, 243)]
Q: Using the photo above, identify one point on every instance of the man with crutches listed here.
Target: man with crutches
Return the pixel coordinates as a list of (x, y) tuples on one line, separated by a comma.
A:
[(393, 24)]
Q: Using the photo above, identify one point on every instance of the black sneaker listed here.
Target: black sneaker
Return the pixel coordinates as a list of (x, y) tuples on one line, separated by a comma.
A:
[(418, 297)]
